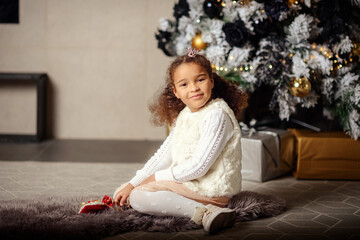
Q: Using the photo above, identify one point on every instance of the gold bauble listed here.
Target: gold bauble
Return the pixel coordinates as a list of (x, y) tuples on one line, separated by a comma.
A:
[(300, 87), (356, 50), (296, 2), (198, 43)]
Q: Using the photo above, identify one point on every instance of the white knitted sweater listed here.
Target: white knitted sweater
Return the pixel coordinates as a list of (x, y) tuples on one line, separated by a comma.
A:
[(224, 176)]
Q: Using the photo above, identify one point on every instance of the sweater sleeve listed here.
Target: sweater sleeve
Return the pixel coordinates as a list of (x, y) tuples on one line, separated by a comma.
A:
[(216, 131), (160, 160)]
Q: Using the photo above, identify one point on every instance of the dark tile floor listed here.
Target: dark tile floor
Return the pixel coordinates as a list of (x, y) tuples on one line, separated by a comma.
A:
[(317, 209), (80, 151)]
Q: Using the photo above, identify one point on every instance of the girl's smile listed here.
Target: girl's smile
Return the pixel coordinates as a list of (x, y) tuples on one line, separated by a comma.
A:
[(198, 96), (192, 85)]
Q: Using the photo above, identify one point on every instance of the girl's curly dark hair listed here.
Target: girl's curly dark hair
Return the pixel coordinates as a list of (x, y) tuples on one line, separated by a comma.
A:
[(167, 106)]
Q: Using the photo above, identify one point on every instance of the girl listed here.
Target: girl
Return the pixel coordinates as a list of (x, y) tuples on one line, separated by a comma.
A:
[(197, 169)]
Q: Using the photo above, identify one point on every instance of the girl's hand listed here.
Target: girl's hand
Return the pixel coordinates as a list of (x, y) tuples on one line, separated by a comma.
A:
[(149, 179), (123, 194)]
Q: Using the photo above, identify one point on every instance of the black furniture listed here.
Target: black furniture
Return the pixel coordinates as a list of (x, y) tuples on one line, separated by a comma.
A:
[(40, 80)]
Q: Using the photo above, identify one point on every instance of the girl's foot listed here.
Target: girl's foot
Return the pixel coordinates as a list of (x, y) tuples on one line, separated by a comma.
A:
[(214, 218)]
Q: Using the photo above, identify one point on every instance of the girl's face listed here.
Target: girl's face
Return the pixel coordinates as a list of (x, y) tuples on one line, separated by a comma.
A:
[(192, 85)]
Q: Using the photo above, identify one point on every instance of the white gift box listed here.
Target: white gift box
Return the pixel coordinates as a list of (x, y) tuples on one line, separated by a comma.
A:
[(267, 154)]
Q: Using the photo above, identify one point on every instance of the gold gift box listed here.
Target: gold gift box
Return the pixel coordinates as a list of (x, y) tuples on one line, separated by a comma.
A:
[(326, 155)]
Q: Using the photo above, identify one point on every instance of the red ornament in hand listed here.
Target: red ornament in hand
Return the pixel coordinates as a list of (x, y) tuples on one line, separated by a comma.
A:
[(107, 200)]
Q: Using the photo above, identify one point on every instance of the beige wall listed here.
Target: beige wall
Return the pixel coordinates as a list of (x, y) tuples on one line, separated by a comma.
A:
[(102, 60)]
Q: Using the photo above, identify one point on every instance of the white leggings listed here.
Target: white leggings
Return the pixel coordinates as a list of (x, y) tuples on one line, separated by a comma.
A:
[(163, 203)]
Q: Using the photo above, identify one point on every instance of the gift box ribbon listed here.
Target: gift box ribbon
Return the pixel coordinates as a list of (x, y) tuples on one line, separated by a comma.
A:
[(251, 130)]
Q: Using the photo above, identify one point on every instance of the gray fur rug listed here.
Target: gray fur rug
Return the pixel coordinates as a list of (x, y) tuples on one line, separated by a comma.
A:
[(57, 218)]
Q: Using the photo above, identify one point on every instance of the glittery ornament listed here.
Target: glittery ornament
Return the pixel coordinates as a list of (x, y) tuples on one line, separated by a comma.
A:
[(296, 2), (198, 43), (356, 50), (300, 87)]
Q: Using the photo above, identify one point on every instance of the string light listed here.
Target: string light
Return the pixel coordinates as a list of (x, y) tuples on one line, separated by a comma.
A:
[(338, 63), (244, 68)]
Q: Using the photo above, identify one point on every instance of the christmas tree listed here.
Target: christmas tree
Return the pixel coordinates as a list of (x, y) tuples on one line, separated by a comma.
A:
[(304, 53)]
